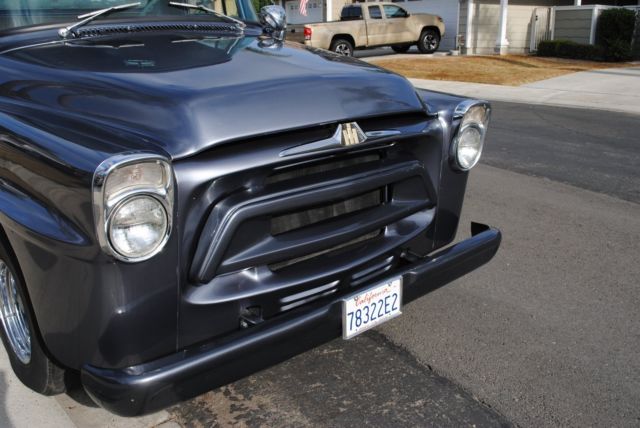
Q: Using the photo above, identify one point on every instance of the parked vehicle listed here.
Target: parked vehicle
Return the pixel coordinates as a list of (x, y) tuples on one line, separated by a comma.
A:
[(366, 25), (172, 220)]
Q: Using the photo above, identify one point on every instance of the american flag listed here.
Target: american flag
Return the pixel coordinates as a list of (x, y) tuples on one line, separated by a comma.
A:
[(303, 7)]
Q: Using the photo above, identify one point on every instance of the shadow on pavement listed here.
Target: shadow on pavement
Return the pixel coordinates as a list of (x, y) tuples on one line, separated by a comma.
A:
[(366, 381)]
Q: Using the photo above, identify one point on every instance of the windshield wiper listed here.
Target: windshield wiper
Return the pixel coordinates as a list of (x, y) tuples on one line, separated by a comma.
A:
[(70, 31), (239, 23)]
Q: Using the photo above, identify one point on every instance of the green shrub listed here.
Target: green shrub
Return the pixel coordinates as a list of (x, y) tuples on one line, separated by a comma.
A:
[(569, 49), (548, 47), (617, 50), (614, 36), (615, 33), (615, 24)]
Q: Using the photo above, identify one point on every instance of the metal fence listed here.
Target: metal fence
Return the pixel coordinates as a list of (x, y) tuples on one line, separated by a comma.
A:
[(540, 27), (544, 24)]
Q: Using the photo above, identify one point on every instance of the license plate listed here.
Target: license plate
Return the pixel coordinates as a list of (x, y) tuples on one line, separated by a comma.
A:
[(372, 307)]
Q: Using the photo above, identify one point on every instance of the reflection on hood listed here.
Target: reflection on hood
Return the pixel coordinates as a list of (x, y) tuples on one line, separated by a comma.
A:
[(185, 93)]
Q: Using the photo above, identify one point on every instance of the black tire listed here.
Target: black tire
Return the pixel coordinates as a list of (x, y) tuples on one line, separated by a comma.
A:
[(342, 47), (429, 41), (401, 48), (40, 373)]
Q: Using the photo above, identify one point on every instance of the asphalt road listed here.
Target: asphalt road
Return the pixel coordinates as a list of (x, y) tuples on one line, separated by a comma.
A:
[(549, 332), (591, 149)]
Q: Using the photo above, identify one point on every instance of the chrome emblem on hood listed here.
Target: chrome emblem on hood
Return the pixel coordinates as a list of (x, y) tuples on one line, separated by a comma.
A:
[(352, 134), (346, 134)]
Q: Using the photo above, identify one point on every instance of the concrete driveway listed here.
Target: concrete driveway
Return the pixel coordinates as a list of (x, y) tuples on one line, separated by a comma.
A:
[(610, 89)]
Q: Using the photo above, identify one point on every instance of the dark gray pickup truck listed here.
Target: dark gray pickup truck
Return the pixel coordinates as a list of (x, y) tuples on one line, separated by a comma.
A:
[(185, 198)]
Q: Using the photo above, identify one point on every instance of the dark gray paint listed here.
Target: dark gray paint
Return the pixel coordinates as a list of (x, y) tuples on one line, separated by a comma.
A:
[(64, 109), (222, 108)]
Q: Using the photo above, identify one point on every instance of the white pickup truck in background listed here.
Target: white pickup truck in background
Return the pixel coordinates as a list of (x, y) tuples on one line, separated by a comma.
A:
[(365, 25)]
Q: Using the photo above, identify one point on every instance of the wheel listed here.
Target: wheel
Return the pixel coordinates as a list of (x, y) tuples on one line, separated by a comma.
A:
[(400, 48), (429, 41), (342, 47), (20, 336)]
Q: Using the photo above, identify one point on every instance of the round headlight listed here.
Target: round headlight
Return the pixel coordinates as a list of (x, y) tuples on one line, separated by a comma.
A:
[(468, 142), (138, 227), (469, 147)]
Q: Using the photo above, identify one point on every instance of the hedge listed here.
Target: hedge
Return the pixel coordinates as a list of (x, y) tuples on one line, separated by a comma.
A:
[(569, 49), (614, 36), (615, 33)]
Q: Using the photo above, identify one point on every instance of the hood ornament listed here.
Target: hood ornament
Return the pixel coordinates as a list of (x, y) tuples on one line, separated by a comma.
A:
[(274, 21), (346, 135)]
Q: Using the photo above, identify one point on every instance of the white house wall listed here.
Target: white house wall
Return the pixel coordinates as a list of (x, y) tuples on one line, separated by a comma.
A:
[(486, 23)]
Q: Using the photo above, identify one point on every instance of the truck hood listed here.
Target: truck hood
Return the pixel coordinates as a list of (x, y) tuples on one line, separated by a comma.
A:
[(185, 95)]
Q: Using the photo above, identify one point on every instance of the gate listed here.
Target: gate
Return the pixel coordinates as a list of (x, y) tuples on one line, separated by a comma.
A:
[(540, 27)]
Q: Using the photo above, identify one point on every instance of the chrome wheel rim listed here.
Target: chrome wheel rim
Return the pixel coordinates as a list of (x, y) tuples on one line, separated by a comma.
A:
[(343, 49), (431, 42), (14, 319)]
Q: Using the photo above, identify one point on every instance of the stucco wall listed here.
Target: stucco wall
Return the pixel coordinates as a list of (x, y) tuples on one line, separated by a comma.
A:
[(574, 25), (486, 24), (337, 8)]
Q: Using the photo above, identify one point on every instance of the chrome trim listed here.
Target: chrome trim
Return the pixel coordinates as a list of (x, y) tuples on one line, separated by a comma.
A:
[(103, 210), (459, 113), (203, 8), (274, 21), (345, 135), (462, 108), (382, 134), (70, 31), (13, 315), (35, 45)]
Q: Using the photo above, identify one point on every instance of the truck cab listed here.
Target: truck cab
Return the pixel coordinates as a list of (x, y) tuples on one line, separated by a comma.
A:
[(366, 25)]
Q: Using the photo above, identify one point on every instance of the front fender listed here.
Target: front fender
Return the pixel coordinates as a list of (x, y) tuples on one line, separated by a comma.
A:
[(84, 301)]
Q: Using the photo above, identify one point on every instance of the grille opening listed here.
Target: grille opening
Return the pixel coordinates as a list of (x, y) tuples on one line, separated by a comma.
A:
[(308, 296), (140, 28), (292, 221), (275, 267), (307, 170)]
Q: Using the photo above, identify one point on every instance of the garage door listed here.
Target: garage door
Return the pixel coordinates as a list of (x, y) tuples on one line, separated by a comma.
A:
[(447, 9), (314, 12)]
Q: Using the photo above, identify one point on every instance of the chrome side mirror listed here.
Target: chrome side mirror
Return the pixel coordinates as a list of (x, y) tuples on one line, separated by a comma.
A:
[(274, 21)]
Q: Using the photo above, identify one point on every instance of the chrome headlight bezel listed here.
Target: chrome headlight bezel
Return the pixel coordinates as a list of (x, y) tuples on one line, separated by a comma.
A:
[(467, 113), (104, 206)]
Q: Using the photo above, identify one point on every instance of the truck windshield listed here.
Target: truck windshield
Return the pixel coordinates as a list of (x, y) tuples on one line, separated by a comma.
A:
[(24, 13)]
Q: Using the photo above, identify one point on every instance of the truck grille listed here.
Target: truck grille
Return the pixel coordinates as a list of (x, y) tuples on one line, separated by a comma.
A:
[(310, 214), (293, 231), (288, 222), (361, 239)]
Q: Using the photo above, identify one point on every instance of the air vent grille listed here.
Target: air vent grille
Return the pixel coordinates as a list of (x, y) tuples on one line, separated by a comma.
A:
[(141, 28)]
